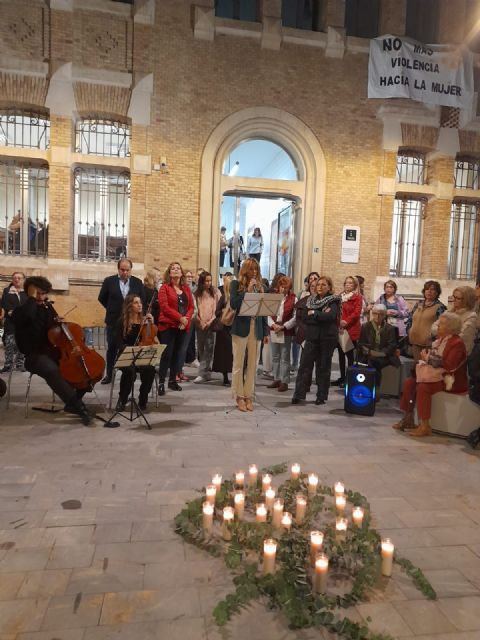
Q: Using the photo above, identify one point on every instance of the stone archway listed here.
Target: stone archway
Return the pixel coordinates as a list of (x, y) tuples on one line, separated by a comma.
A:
[(308, 191)]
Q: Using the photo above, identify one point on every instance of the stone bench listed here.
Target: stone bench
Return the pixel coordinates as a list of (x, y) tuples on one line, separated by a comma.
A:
[(454, 414)]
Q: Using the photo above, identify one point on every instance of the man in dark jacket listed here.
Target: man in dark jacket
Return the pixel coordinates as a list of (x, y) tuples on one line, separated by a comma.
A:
[(377, 345), (112, 294), (32, 321), (13, 296)]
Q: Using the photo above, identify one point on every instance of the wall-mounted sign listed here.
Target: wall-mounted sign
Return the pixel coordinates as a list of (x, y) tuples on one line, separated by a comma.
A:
[(350, 244)]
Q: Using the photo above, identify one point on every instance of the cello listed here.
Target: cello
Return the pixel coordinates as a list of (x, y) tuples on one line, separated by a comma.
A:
[(147, 334), (79, 365)]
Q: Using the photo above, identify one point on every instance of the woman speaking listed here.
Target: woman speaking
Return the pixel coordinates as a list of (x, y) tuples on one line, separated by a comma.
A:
[(247, 333)]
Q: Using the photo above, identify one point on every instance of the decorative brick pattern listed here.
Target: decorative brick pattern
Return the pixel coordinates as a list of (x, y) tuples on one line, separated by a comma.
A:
[(24, 29), (103, 42), (469, 141)]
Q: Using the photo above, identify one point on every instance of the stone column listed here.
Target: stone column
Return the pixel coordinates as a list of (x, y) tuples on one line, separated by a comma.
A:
[(60, 228)]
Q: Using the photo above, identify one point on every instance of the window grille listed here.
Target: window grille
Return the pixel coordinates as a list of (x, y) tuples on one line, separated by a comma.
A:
[(411, 167), (102, 137), (303, 14), (102, 202), (237, 9), (462, 246), (408, 214), (25, 129), (466, 173), (24, 209), (422, 20)]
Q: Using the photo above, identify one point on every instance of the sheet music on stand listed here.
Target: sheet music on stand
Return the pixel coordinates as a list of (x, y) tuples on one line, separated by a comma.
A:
[(260, 304), (142, 356)]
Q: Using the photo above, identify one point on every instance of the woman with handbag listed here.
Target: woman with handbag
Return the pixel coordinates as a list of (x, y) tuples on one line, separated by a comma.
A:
[(441, 368), (423, 316), (247, 334), (222, 355), (207, 298), (349, 330)]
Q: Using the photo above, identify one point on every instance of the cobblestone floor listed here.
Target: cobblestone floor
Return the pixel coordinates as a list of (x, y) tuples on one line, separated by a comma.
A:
[(113, 568)]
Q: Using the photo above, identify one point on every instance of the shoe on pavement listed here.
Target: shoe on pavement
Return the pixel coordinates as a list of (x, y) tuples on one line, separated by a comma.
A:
[(106, 380), (274, 385), (283, 387), (174, 386)]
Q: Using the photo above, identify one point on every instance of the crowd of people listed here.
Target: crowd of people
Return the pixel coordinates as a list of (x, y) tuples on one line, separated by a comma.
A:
[(200, 324)]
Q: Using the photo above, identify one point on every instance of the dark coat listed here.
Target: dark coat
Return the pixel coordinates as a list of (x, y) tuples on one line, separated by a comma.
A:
[(32, 322), (111, 297), (241, 324), (11, 301), (388, 343), (321, 325), (222, 355)]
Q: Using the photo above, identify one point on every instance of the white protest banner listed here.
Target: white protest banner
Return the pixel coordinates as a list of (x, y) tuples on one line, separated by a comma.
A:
[(435, 74)]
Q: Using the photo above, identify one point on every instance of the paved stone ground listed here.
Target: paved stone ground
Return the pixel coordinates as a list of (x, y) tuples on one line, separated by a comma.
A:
[(115, 569)]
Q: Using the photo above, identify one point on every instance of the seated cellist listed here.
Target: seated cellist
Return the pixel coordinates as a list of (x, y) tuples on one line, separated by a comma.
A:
[(33, 319), (131, 324)]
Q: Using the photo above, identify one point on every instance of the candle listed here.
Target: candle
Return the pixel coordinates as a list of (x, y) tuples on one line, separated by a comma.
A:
[(266, 482), (261, 513), (341, 528), (316, 542), (269, 498), (312, 484), (252, 475), (239, 500), (339, 488), (295, 471), (227, 523), (340, 502), (269, 551), (211, 492), (286, 520), (387, 557), (277, 513), (321, 574), (208, 510), (217, 481), (300, 509), (357, 516), (240, 478)]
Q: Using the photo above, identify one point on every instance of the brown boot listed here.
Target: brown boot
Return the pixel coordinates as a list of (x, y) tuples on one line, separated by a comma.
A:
[(407, 422), (423, 430), (274, 385), (283, 387), (249, 404)]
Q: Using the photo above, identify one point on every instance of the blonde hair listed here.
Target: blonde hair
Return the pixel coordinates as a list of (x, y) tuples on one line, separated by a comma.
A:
[(354, 280), (227, 281), (243, 276), (150, 279), (469, 297)]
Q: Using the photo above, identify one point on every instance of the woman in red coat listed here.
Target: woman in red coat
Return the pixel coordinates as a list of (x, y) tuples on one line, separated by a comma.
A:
[(447, 356), (352, 302), (176, 311)]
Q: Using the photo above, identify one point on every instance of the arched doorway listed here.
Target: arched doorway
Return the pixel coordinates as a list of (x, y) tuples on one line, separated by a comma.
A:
[(305, 194)]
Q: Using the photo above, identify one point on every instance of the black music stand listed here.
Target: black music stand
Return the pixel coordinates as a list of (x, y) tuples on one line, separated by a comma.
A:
[(135, 358)]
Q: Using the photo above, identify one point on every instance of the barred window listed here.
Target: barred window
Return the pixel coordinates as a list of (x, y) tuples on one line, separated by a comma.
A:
[(411, 167), (422, 20), (102, 202), (26, 129), (466, 173), (362, 17), (237, 9), (24, 209), (102, 137), (408, 214), (462, 246)]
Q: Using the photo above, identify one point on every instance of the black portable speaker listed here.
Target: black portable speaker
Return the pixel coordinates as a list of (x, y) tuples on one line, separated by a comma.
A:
[(360, 391)]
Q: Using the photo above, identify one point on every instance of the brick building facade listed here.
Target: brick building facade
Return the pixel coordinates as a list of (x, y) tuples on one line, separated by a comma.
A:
[(191, 85)]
